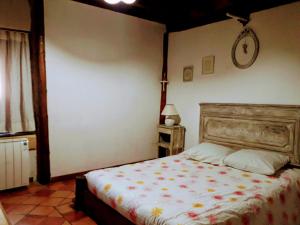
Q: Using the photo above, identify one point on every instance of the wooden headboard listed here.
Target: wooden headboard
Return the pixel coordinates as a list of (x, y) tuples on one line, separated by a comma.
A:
[(266, 127)]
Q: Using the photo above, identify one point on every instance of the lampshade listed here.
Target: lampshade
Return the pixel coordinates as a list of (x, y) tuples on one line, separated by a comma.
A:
[(169, 110)]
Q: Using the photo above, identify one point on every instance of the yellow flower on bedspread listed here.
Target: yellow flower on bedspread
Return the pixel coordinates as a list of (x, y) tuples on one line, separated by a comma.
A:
[(246, 175), (106, 188), (241, 187), (157, 212), (233, 199), (198, 205), (140, 182), (120, 200)]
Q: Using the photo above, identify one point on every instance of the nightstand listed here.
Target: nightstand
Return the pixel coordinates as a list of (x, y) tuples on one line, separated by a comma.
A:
[(170, 140)]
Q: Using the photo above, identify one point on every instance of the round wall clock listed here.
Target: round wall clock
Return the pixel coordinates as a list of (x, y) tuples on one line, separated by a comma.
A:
[(245, 49)]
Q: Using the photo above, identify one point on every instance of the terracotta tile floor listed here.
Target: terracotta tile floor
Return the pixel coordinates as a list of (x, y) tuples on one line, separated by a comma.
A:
[(43, 205)]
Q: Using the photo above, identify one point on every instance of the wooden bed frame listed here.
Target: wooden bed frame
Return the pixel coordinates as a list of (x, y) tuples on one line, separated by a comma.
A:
[(265, 127)]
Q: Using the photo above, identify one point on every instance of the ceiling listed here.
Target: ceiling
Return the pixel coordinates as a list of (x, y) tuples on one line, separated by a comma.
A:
[(180, 15)]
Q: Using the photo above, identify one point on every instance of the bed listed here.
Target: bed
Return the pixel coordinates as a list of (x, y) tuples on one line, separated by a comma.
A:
[(176, 190)]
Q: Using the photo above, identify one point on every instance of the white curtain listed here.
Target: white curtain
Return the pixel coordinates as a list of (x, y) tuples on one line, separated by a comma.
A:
[(16, 108)]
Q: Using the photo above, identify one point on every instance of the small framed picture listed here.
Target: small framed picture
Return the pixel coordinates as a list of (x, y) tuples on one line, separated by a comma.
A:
[(188, 73), (208, 64)]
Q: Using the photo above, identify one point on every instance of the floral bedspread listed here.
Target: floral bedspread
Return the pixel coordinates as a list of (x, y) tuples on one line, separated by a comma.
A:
[(178, 191)]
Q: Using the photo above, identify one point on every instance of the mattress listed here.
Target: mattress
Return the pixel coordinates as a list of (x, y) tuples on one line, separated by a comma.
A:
[(178, 191)]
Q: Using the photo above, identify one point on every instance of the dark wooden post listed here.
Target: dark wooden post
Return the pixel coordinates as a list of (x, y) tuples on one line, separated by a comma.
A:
[(81, 186), (38, 70), (163, 99)]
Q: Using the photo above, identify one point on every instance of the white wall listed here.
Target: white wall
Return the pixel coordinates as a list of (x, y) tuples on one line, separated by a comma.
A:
[(103, 73), (15, 14), (273, 78)]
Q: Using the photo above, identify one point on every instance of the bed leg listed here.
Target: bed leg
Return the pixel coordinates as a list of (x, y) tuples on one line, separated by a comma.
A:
[(81, 186)]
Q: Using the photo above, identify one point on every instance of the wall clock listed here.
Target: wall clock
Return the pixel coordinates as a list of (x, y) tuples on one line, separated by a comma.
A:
[(245, 49)]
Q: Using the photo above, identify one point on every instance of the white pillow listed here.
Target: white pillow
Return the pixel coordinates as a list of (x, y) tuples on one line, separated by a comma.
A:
[(256, 161), (209, 153)]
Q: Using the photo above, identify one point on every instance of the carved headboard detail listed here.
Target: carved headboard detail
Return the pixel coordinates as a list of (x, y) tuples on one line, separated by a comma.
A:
[(266, 127)]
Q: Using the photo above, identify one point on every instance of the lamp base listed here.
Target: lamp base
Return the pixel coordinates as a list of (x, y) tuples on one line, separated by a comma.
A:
[(169, 122), (176, 119)]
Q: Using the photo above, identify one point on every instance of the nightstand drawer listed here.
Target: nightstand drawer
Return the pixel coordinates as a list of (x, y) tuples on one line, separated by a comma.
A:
[(164, 130)]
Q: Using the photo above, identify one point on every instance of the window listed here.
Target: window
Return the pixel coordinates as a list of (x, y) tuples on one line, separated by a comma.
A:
[(16, 105)]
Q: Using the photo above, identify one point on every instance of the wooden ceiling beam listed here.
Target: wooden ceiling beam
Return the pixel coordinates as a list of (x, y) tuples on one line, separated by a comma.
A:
[(136, 10), (180, 15)]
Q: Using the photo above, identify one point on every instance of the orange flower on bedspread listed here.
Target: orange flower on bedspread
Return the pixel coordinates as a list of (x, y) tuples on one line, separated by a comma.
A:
[(222, 172), (255, 209), (218, 197), (131, 188), (113, 203), (192, 215), (94, 190), (259, 197), (132, 214), (212, 219), (256, 181), (239, 193), (183, 186), (212, 180)]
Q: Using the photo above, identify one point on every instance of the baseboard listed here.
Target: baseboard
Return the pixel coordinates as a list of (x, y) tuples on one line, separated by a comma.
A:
[(68, 176), (74, 175)]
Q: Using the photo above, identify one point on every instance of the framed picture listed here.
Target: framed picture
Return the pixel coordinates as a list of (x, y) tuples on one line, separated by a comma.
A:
[(188, 73), (208, 64)]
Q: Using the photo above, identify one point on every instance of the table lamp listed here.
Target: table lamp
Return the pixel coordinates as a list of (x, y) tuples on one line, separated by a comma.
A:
[(172, 116)]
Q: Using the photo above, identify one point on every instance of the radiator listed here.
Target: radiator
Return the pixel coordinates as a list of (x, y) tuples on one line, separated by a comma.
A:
[(14, 163)]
